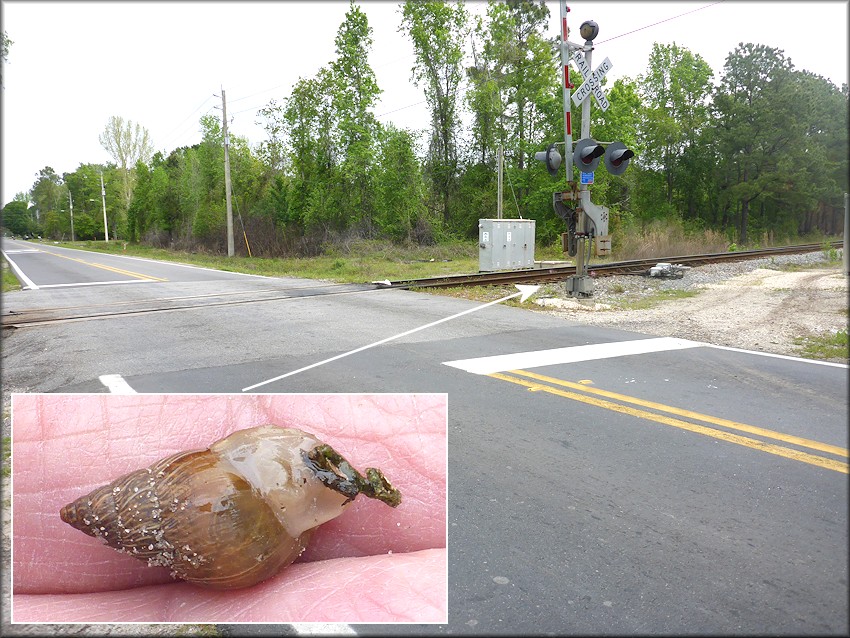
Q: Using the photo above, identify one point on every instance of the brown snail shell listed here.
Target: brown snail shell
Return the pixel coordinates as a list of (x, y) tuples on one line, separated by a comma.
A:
[(231, 515)]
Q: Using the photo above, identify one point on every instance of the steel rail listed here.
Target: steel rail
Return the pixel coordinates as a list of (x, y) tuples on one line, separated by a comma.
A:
[(634, 266)]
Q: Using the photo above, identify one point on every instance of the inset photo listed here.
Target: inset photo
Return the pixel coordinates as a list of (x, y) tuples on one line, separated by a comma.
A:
[(270, 508)]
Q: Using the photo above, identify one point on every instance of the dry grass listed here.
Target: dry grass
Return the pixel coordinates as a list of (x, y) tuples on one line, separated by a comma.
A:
[(667, 240)]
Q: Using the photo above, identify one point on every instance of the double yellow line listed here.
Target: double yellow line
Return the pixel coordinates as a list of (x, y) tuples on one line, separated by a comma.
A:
[(540, 383), (120, 271)]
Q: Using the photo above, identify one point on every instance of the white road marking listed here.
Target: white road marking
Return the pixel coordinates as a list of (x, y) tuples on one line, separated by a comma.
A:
[(780, 356), (116, 384), (28, 283), (536, 359), (540, 358), (323, 629), (524, 293)]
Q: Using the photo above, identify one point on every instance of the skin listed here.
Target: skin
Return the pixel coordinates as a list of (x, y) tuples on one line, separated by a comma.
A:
[(373, 563)]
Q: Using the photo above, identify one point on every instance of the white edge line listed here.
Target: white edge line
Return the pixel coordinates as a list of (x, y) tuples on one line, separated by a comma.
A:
[(779, 356), (116, 384), (27, 281)]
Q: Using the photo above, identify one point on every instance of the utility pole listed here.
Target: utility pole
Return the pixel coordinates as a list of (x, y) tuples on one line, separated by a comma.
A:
[(103, 199), (499, 185), (230, 247), (846, 233), (71, 205)]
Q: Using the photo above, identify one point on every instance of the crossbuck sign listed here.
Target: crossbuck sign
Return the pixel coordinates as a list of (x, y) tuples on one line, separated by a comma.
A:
[(592, 81)]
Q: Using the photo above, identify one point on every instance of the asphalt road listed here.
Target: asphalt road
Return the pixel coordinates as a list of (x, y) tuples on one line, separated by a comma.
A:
[(614, 484)]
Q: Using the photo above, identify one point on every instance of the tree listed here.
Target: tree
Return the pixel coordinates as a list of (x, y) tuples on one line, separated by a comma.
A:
[(756, 125), (83, 185), (400, 211), (355, 94), (126, 143), (438, 31), (7, 44), (518, 58), (16, 218), (313, 157), (675, 89), (46, 193)]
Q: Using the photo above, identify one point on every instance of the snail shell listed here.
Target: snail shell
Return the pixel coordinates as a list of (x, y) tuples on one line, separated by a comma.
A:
[(229, 516)]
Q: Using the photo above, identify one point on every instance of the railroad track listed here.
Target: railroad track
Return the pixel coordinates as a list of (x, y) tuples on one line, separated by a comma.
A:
[(45, 316), (560, 273)]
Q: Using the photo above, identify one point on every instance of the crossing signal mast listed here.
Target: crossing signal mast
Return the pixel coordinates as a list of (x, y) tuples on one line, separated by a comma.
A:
[(585, 220)]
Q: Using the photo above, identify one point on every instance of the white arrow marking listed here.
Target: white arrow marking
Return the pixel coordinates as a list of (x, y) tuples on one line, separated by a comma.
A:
[(524, 293), (116, 384)]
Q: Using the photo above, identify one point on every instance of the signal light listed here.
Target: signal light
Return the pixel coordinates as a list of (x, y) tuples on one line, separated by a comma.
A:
[(551, 157), (617, 157), (587, 154)]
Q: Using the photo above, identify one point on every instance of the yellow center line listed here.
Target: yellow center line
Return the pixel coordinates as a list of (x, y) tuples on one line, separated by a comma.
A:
[(734, 425), (129, 273), (797, 455)]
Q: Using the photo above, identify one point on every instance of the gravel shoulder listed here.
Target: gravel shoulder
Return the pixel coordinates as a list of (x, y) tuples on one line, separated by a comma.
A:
[(765, 305)]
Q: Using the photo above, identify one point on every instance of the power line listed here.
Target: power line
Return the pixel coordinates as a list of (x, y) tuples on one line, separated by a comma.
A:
[(176, 133), (661, 21)]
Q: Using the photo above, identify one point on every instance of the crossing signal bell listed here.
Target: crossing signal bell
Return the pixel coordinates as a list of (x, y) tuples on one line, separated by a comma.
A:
[(617, 158), (587, 154), (551, 157)]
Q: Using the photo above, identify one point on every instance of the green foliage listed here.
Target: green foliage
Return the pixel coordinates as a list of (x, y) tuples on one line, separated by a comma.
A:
[(400, 208), (17, 218), (10, 282), (758, 156), (438, 31), (830, 253), (825, 347)]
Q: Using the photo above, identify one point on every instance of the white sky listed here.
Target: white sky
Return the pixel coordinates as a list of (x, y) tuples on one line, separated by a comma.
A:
[(75, 64)]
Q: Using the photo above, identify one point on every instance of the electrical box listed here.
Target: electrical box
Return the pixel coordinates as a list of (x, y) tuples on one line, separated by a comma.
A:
[(505, 244)]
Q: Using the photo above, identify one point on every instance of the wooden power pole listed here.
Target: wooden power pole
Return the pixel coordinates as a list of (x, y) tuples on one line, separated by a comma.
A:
[(230, 247)]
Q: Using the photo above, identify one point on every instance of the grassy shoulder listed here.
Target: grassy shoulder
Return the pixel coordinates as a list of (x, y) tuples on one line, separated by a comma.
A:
[(359, 262), (829, 347), (10, 282)]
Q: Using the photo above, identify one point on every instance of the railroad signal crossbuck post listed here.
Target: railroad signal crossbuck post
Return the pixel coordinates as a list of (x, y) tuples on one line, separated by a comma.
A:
[(585, 220)]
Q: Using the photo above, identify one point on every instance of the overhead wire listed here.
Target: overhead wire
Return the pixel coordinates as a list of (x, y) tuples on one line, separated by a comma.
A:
[(662, 21), (172, 135), (479, 13)]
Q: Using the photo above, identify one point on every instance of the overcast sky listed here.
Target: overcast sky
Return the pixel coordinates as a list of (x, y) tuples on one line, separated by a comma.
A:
[(72, 65)]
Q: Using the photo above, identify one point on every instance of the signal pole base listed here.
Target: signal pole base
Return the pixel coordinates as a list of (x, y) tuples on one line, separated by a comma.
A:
[(579, 286)]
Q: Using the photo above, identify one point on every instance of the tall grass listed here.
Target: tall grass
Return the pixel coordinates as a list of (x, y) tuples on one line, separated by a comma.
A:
[(665, 239)]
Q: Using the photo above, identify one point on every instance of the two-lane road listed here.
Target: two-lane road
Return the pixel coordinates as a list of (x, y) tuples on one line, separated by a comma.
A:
[(44, 265)]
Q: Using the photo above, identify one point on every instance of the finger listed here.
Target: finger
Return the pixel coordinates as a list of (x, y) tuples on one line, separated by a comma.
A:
[(389, 588)]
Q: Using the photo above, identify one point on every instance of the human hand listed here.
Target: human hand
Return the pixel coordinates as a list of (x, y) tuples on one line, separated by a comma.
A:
[(371, 564)]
